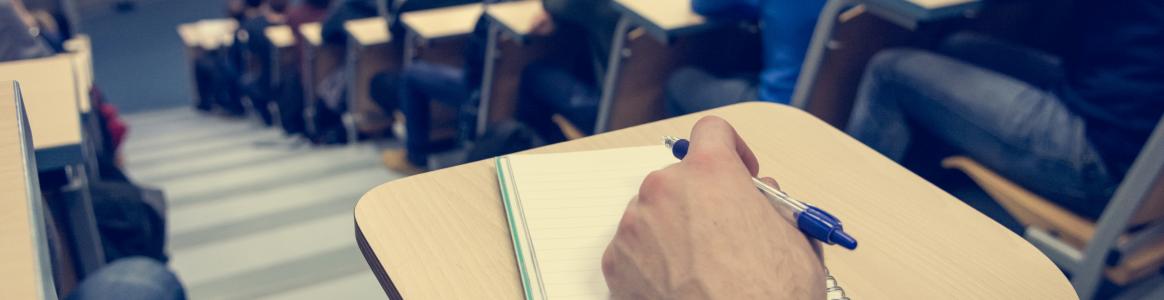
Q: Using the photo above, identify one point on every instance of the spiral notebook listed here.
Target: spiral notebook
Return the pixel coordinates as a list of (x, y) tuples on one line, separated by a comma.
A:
[(563, 210)]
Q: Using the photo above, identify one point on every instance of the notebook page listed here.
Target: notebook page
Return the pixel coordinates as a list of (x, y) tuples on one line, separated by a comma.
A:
[(564, 209)]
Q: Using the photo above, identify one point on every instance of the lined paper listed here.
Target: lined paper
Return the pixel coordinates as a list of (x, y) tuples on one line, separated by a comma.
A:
[(564, 209)]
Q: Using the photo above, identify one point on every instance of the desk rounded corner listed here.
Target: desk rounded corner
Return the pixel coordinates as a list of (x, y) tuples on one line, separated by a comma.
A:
[(360, 204)]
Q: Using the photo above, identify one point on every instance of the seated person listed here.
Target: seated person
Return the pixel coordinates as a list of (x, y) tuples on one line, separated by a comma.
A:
[(786, 29), (289, 89), (567, 82), (1068, 131), (256, 82), (19, 41), (217, 72), (214, 75), (420, 83), (705, 206)]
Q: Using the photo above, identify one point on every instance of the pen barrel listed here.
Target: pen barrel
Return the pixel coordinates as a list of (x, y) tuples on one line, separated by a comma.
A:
[(784, 210)]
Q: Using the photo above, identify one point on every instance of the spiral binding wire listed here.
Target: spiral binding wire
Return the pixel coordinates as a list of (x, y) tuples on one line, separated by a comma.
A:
[(833, 290)]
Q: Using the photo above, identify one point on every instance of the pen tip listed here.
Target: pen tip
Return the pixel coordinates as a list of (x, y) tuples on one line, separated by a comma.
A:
[(844, 240), (669, 140)]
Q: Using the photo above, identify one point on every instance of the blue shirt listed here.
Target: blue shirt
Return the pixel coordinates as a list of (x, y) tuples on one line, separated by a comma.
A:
[(786, 27)]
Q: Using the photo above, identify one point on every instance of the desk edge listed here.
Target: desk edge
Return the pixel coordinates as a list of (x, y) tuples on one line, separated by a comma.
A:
[(33, 196)]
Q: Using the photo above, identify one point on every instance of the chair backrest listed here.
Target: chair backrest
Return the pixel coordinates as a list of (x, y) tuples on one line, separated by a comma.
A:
[(1149, 168), (1152, 209), (1137, 199)]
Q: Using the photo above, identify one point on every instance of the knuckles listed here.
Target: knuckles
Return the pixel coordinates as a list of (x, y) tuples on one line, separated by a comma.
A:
[(627, 227), (653, 186), (608, 261)]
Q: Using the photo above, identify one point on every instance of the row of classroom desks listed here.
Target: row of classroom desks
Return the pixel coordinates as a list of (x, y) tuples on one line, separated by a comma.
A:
[(649, 42), (47, 125)]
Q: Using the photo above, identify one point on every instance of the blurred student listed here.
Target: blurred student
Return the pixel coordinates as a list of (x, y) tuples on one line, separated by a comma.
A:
[(332, 87), (1068, 129), (422, 82), (256, 81), (216, 73), (786, 28), (17, 30), (567, 81), (289, 89)]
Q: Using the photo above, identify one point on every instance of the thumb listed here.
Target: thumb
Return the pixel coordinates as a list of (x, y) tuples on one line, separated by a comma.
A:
[(712, 136)]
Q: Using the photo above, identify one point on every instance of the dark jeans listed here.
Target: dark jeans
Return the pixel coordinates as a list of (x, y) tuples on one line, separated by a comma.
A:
[(131, 279), (547, 89), (692, 89), (420, 83), (214, 77), (996, 110)]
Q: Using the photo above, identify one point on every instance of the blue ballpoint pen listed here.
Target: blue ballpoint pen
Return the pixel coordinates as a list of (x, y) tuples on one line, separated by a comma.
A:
[(814, 222)]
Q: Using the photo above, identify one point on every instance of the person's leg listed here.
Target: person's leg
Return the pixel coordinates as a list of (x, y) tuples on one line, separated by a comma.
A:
[(547, 89), (255, 90), (290, 91), (228, 91), (422, 82), (384, 89), (1026, 64), (130, 279), (204, 82), (691, 90), (1018, 130)]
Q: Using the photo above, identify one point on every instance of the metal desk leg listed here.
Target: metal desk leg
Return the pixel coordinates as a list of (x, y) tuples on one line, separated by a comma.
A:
[(491, 57), (825, 26), (87, 246), (349, 116), (610, 84)]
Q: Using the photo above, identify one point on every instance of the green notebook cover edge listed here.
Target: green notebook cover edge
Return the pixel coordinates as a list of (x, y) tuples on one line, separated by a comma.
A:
[(512, 228)]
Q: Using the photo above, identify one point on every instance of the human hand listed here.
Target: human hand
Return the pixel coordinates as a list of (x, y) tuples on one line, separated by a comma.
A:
[(542, 24), (700, 229)]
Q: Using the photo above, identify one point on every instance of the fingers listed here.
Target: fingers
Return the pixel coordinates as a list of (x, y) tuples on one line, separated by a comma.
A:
[(713, 137)]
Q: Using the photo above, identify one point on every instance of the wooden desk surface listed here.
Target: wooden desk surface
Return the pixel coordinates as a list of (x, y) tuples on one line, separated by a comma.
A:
[(516, 16), (280, 35), (50, 98), (312, 32), (368, 31), (437, 23), (188, 32), (443, 235), (668, 15), (24, 272), (215, 33)]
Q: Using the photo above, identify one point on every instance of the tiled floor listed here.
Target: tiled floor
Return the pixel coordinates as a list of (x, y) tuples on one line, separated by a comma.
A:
[(254, 214)]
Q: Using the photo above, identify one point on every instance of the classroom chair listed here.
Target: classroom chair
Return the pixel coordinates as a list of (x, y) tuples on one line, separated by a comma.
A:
[(1126, 243), (637, 90), (438, 35), (319, 60), (509, 49)]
